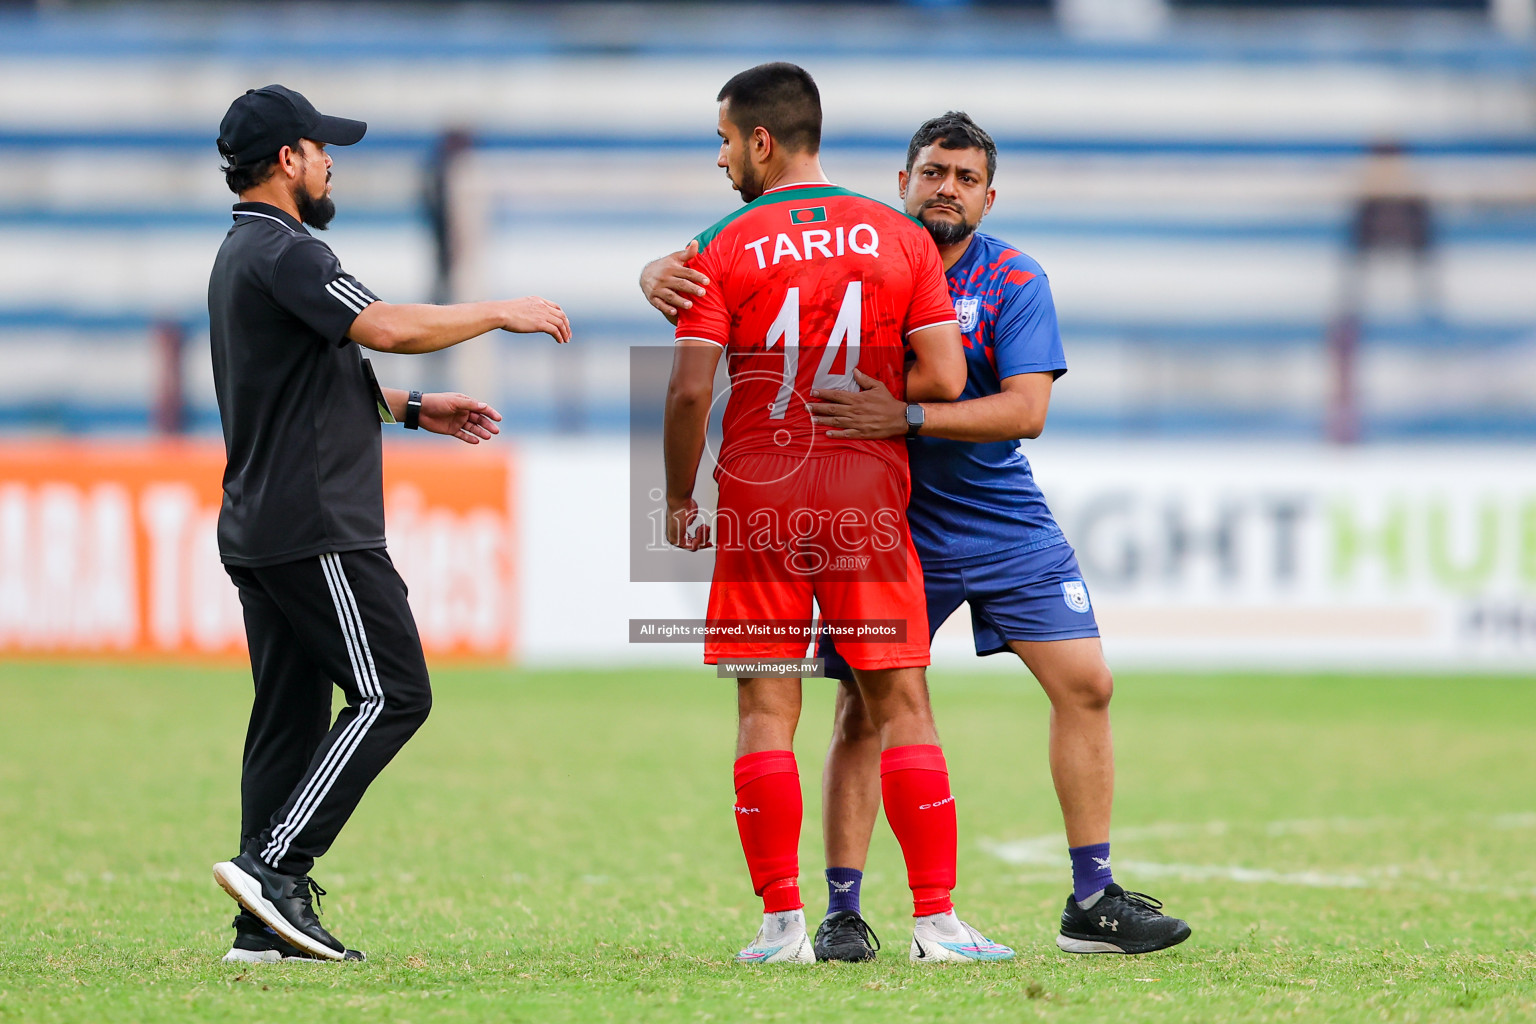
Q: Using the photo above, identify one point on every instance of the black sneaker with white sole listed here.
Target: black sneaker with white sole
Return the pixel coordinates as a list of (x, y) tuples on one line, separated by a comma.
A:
[(284, 903), (255, 943), (1119, 922), (846, 937)]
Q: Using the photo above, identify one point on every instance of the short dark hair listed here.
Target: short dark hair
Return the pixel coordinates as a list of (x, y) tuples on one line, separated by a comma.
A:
[(780, 97), (244, 177), (954, 130)]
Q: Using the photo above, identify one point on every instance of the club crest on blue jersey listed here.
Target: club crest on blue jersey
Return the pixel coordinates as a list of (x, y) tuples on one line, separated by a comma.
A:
[(968, 310), (1075, 592)]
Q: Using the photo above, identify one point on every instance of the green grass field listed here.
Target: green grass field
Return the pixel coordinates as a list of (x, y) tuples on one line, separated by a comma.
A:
[(559, 846)]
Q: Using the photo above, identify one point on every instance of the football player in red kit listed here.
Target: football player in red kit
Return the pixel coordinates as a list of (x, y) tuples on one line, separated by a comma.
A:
[(809, 282)]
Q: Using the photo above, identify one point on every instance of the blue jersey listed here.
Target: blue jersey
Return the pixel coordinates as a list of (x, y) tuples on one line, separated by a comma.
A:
[(974, 501)]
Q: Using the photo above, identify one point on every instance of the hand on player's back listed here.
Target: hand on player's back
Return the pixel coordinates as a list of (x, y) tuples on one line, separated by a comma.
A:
[(534, 315), (668, 282), (468, 419), (869, 413)]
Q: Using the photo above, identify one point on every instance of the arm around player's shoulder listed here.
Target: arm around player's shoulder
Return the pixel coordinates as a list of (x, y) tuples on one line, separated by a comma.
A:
[(708, 317)]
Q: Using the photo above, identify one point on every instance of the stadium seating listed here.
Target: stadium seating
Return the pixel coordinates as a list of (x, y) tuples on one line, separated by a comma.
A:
[(1190, 198)]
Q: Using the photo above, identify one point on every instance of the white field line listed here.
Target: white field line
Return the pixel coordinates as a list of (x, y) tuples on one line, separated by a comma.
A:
[(1048, 851)]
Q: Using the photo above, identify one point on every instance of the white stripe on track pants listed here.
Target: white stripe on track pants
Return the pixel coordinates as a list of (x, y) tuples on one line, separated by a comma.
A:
[(336, 618)]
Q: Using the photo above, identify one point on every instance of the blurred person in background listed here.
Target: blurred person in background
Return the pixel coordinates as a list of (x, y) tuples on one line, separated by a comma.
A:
[(1393, 216), (1391, 248), (440, 201), (301, 529), (985, 536)]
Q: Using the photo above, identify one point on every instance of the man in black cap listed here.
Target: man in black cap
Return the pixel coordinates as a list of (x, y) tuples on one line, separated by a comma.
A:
[(301, 531)]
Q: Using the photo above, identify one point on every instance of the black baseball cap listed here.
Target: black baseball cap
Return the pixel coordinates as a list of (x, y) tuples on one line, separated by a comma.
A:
[(265, 120)]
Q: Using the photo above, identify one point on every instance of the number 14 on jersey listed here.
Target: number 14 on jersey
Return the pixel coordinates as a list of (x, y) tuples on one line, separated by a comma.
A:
[(845, 334)]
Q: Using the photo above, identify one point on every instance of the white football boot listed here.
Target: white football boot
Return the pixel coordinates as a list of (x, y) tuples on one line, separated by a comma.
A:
[(941, 938), (781, 940)]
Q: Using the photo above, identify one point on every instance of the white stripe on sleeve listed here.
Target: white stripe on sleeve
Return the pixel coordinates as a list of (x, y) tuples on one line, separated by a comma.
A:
[(343, 298), (355, 290)]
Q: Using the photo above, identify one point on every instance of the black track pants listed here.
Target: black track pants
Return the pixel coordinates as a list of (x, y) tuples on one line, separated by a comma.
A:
[(342, 619)]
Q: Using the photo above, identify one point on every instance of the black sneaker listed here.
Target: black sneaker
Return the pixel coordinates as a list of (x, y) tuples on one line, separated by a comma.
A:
[(255, 943), (284, 903), (845, 936), (1119, 922)]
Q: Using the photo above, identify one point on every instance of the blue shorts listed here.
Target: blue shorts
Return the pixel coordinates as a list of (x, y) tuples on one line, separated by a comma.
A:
[(1034, 595)]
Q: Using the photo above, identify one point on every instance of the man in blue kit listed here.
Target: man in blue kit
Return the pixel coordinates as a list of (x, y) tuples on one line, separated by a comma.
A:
[(984, 536)]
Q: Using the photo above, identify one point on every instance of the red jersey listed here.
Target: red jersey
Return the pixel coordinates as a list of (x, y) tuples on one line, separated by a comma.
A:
[(806, 283)]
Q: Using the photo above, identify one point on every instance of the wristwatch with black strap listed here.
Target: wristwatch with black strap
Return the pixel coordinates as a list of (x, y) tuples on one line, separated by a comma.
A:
[(915, 419), (413, 411)]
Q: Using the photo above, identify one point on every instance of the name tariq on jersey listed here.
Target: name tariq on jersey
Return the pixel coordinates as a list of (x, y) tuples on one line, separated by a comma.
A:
[(809, 282), (830, 244)]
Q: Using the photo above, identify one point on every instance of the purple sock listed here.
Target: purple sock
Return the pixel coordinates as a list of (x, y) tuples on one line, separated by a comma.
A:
[(843, 889), (1090, 869)]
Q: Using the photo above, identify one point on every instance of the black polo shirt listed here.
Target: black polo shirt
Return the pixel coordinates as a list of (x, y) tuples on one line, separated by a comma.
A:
[(301, 429)]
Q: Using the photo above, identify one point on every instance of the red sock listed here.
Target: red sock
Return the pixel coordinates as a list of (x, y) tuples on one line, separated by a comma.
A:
[(768, 813), (914, 782)]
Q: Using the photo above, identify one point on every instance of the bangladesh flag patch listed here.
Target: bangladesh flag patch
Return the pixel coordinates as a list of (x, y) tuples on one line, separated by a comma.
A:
[(808, 215)]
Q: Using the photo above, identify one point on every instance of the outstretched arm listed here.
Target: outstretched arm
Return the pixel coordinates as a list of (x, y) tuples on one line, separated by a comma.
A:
[(450, 413), (417, 328)]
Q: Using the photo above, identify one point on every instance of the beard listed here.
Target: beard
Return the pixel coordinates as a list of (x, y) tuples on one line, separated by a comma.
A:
[(947, 232), (751, 184), (317, 213)]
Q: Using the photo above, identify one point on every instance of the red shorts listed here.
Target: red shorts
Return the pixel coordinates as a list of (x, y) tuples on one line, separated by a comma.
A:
[(833, 529)]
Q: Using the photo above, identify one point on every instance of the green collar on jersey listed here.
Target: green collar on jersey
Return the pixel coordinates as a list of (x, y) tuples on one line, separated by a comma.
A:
[(796, 194)]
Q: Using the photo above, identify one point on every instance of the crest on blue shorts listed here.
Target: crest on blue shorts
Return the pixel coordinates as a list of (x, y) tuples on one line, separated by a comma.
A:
[(1075, 592), (969, 311)]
